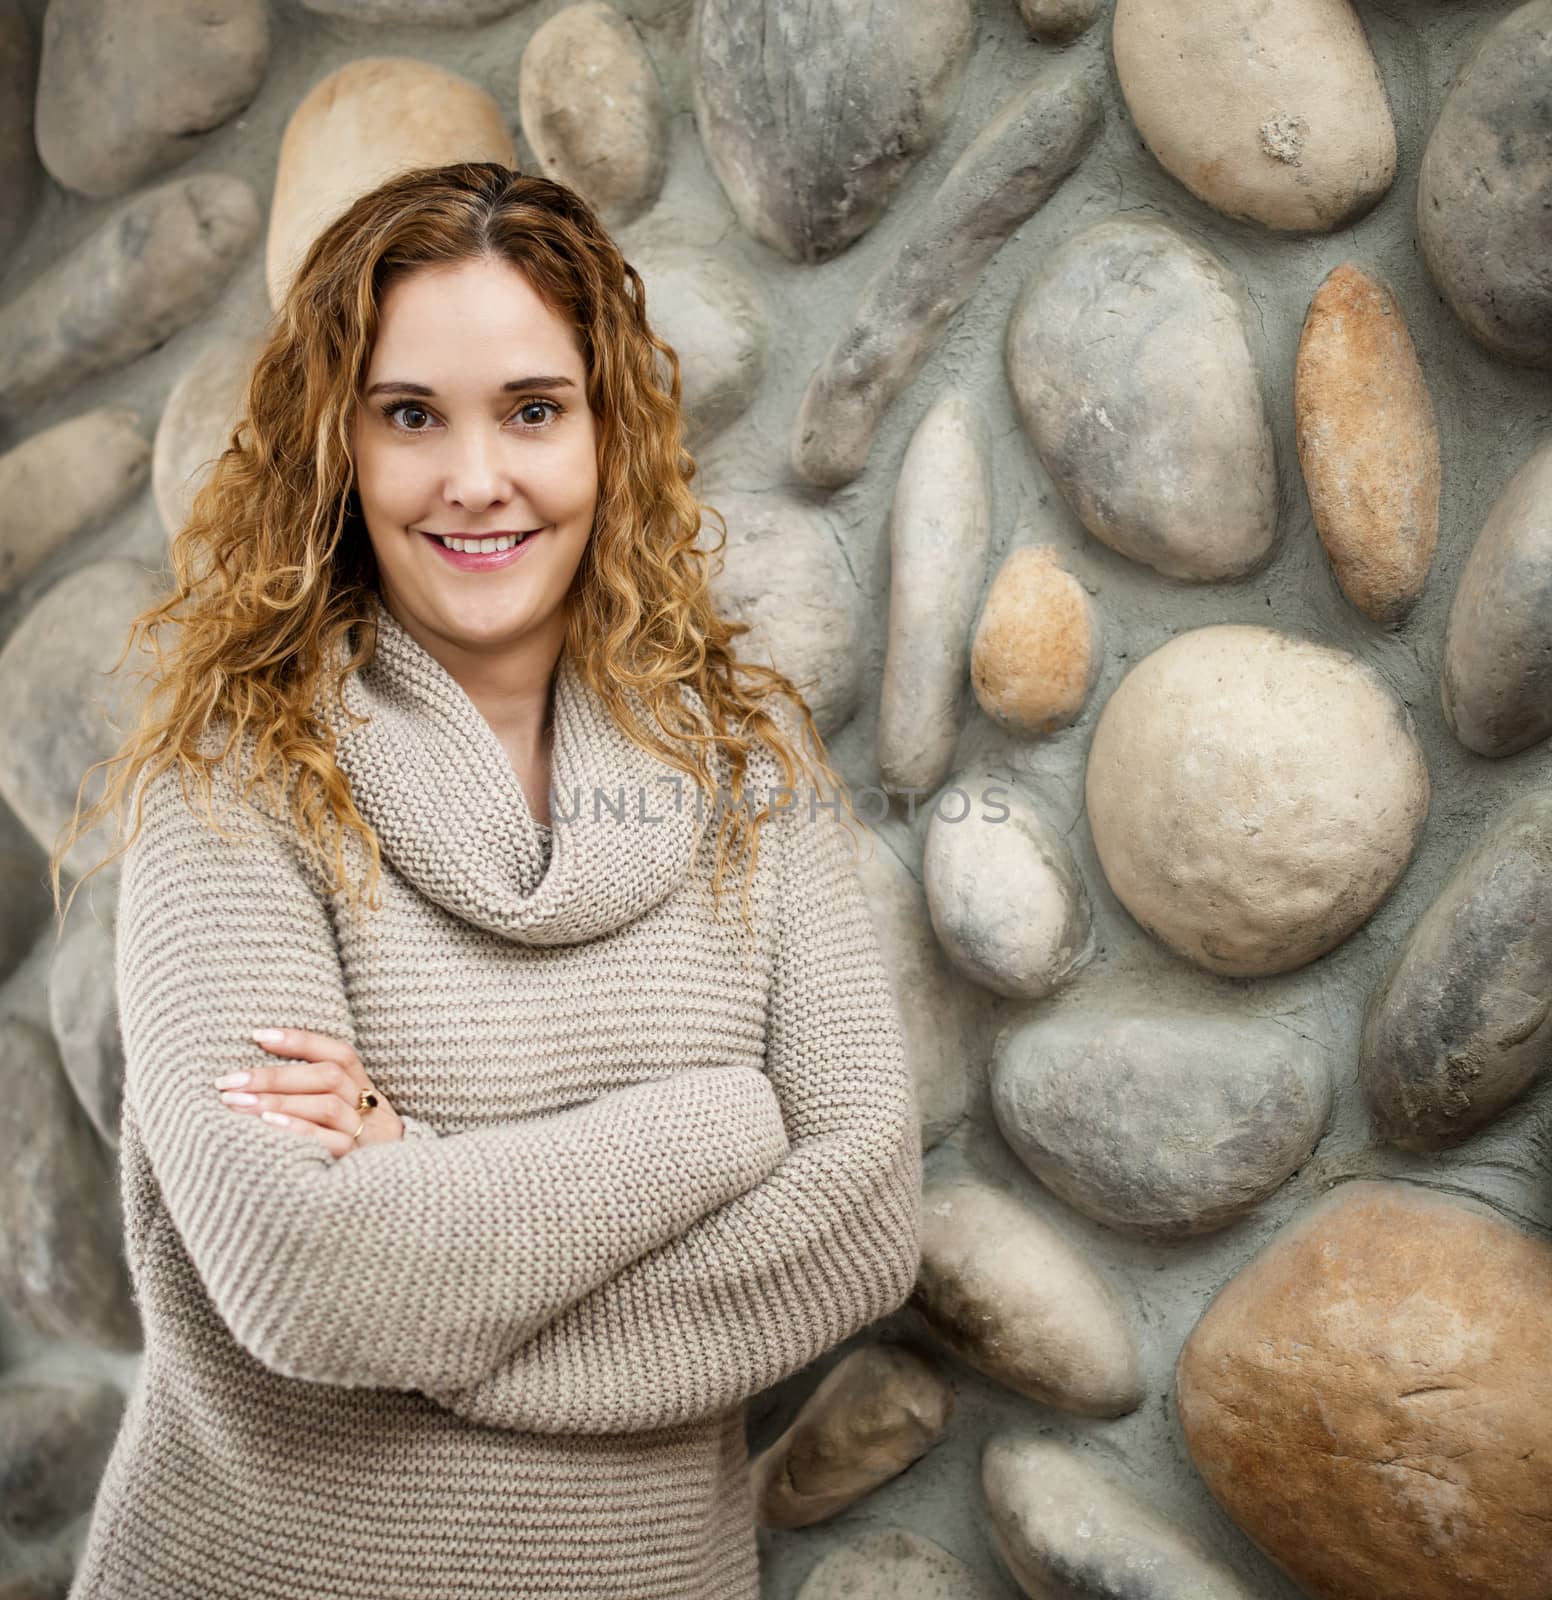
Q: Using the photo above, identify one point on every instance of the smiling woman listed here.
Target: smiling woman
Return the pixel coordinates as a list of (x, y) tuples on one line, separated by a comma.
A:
[(476, 1170)]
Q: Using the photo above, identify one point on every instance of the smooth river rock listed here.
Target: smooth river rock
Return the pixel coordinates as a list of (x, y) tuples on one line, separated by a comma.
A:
[(876, 1411), (1162, 1124), (1007, 901), (157, 262), (196, 425), (83, 1005), (814, 112), (893, 1564), (785, 574), (1001, 1287), (1496, 672), (1008, 171), (126, 87), (1370, 1398), (370, 120), (62, 1271), (1275, 113), (1063, 1529), (1484, 190), (1057, 21), (1459, 1025), (55, 483), (940, 529), (1130, 363), (1368, 443), (941, 1011), (57, 708), (1037, 650), (715, 318), (1254, 796), (593, 111), (55, 1436)]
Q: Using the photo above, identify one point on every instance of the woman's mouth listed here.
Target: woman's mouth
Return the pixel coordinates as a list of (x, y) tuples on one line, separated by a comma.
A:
[(482, 554)]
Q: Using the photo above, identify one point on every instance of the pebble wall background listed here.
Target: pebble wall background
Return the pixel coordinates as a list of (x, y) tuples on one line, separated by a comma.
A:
[(1146, 410)]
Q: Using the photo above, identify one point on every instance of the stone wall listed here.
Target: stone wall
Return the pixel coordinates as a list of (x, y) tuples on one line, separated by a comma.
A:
[(1132, 423)]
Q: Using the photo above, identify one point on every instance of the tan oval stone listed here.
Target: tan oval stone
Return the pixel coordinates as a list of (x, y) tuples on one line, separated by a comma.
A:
[(1253, 796), (875, 1412), (1370, 1398), (1271, 112), (1003, 1289), (593, 110), (893, 1564), (363, 124), (1368, 443), (196, 425), (55, 483), (1036, 653)]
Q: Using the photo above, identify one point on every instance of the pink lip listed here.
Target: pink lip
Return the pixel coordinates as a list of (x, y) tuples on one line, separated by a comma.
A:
[(473, 561)]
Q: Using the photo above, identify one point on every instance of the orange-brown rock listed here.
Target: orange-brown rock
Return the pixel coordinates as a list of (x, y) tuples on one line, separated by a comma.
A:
[(1370, 1398), (1368, 442), (1036, 651)]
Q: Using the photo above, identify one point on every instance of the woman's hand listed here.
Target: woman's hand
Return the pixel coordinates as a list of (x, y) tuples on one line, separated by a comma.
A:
[(313, 1092)]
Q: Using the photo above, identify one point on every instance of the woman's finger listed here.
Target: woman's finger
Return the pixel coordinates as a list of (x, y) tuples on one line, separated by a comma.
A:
[(301, 1077), (303, 1044), (337, 1143)]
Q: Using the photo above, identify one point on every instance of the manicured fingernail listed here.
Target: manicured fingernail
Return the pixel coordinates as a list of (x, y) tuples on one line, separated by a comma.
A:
[(269, 1035), (235, 1097), (275, 1116), (232, 1080)]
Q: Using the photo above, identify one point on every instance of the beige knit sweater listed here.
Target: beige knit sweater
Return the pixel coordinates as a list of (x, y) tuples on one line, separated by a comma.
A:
[(650, 1169)]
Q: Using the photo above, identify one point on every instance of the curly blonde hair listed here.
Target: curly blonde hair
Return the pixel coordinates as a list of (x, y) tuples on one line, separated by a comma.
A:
[(273, 568)]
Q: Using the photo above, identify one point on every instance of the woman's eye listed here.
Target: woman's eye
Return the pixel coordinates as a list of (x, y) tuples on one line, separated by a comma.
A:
[(403, 405), (545, 408)]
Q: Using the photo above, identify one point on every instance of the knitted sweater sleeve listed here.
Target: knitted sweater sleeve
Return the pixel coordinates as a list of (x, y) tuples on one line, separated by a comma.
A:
[(411, 1264), (827, 1243)]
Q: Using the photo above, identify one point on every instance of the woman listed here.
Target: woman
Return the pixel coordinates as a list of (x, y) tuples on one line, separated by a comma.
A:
[(477, 1167)]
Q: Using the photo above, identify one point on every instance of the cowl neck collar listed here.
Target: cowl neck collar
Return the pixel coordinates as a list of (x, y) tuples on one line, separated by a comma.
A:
[(432, 779)]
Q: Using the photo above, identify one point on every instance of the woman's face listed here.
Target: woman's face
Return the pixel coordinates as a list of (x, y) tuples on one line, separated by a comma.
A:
[(473, 423)]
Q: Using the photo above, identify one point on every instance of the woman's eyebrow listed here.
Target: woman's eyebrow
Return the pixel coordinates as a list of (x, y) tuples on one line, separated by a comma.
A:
[(514, 383)]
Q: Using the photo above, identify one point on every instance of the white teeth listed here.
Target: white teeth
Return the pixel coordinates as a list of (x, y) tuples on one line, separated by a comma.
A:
[(483, 547)]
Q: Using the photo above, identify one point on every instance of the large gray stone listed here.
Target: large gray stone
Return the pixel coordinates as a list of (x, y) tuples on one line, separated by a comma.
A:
[(1496, 671), (126, 87), (940, 1010), (940, 529), (593, 111), (1064, 1530), (55, 483), (715, 318), (1273, 112), (62, 1269), (1162, 1124), (155, 264), (196, 425), (427, 13), (1254, 796), (83, 1007), (1484, 190), (1130, 363), (55, 1435), (57, 710), (24, 890), (1010, 169), (1459, 1025), (1003, 1289), (785, 574), (813, 112), (1006, 898)]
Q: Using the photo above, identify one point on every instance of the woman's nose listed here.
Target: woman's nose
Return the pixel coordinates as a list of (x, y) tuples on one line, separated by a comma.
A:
[(478, 472)]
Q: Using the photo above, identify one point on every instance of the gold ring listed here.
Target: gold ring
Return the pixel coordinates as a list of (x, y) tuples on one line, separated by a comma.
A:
[(364, 1103)]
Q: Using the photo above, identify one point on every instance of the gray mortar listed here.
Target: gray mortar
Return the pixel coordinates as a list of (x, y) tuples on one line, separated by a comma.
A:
[(1490, 417)]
